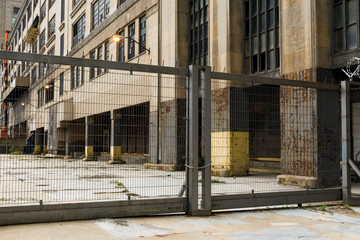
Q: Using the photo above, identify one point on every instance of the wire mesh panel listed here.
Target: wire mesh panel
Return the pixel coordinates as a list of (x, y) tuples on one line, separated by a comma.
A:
[(272, 138), (355, 132), (79, 133)]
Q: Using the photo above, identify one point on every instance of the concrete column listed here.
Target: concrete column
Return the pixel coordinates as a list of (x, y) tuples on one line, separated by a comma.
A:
[(154, 142), (310, 130), (38, 141), (16, 131), (230, 132), (45, 141), (115, 142), (226, 38), (89, 138), (67, 138)]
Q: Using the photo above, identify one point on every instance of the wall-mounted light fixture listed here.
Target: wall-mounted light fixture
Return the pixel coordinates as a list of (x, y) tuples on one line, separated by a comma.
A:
[(119, 38), (48, 87)]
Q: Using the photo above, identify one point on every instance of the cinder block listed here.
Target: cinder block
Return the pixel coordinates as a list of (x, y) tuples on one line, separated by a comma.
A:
[(301, 181)]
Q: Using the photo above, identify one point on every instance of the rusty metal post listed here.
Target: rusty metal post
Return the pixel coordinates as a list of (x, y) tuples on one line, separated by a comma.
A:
[(345, 140)]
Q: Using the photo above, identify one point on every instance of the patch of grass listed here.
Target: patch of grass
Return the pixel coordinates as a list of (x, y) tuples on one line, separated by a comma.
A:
[(302, 186), (50, 191), (97, 176), (121, 223), (120, 185), (106, 192), (323, 207), (346, 206), (213, 181), (16, 153), (132, 194), (4, 199)]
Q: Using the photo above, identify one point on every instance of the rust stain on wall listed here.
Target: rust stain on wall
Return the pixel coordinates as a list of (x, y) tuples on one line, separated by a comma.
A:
[(298, 127), (220, 109)]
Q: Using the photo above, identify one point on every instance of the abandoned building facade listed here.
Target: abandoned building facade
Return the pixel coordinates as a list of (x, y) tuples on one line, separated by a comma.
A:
[(299, 40)]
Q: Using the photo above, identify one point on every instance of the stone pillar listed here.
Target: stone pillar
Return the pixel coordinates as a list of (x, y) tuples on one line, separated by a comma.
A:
[(226, 38), (45, 141), (154, 143), (310, 125), (89, 138), (38, 141), (173, 133), (67, 139), (230, 132), (115, 142), (16, 131)]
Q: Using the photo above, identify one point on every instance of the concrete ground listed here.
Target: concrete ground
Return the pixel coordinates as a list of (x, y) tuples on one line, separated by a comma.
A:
[(30, 178), (335, 222)]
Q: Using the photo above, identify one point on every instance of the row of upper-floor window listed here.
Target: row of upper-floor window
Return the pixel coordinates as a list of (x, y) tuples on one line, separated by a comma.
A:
[(100, 11), (345, 24), (261, 30), (127, 45), (102, 51)]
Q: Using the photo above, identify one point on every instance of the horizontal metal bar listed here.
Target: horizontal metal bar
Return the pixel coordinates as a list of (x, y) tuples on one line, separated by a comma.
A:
[(71, 61), (275, 198), (273, 81), (354, 84), (55, 212)]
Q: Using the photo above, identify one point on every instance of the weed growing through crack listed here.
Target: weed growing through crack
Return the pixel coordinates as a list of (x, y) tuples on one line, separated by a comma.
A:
[(120, 185), (323, 207), (213, 181), (346, 206)]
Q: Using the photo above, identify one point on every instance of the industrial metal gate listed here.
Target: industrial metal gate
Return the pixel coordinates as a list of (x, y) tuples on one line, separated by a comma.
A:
[(112, 139), (350, 100)]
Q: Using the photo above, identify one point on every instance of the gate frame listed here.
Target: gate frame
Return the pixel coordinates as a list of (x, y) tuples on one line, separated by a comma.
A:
[(346, 129), (199, 85)]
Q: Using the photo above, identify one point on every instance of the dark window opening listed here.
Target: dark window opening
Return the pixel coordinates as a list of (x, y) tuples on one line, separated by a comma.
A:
[(199, 37), (131, 47), (262, 45)]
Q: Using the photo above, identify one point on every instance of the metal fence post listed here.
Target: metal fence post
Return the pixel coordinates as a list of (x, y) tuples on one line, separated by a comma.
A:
[(193, 136), (205, 78), (345, 140)]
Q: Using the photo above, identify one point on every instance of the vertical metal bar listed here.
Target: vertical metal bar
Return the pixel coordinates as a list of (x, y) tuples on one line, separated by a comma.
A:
[(345, 140), (206, 138), (193, 108), (158, 133)]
